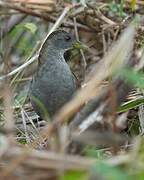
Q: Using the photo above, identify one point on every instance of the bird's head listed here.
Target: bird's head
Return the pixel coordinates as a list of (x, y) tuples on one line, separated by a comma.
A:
[(60, 40)]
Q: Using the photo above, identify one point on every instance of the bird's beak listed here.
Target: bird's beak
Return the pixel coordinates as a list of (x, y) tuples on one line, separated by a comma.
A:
[(79, 45)]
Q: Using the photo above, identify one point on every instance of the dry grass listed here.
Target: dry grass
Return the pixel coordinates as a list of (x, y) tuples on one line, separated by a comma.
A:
[(113, 41)]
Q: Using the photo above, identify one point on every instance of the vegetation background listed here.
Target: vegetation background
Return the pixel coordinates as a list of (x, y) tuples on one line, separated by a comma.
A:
[(109, 67)]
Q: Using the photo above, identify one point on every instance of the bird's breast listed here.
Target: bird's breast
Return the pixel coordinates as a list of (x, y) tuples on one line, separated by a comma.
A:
[(53, 85)]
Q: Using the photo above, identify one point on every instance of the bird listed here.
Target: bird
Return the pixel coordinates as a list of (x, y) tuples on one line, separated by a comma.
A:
[(54, 84)]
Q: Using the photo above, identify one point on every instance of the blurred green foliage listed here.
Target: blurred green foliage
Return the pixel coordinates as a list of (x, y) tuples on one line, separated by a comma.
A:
[(74, 175), (117, 8), (24, 37), (107, 172)]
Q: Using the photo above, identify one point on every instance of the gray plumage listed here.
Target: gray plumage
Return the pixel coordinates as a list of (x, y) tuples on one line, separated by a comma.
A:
[(54, 84)]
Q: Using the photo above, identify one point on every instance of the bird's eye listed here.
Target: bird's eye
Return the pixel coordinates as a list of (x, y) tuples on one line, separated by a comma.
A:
[(67, 38)]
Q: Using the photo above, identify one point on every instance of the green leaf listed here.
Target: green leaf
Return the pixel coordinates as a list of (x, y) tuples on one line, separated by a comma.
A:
[(24, 45), (113, 6), (131, 104), (18, 28), (121, 8), (31, 27)]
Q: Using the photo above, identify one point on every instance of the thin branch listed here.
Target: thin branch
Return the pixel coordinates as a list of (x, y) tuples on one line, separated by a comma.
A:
[(27, 63)]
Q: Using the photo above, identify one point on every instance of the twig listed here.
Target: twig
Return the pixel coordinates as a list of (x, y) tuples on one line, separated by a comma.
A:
[(51, 160), (31, 60), (59, 21), (84, 63), (40, 15), (56, 25)]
